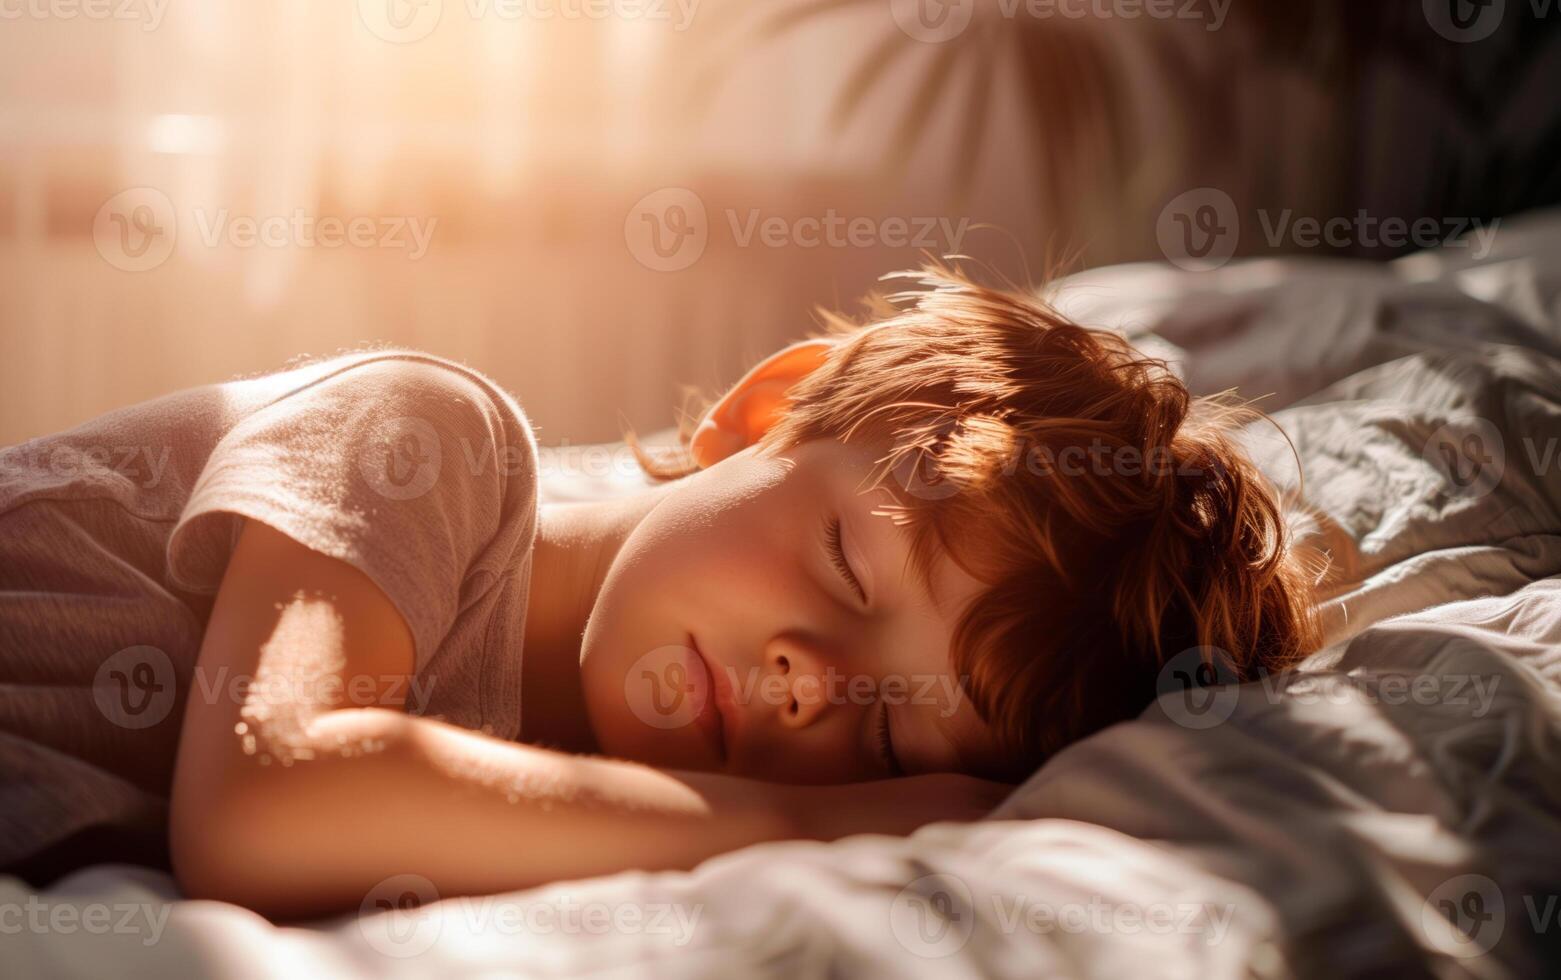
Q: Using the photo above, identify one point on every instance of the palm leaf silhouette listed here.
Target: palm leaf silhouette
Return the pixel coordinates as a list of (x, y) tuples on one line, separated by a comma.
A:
[(1073, 92)]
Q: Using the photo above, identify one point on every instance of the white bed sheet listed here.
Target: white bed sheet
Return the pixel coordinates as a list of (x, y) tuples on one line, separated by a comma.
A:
[(1331, 822)]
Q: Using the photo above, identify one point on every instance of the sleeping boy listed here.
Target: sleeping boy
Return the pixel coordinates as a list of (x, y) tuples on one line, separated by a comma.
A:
[(317, 632)]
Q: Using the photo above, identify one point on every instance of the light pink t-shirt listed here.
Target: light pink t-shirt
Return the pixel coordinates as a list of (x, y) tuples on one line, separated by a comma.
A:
[(114, 537)]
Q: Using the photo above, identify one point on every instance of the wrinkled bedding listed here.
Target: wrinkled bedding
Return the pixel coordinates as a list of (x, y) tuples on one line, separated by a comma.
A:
[(1393, 808)]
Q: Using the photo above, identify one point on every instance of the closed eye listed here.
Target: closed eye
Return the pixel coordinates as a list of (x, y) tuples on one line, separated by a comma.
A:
[(886, 743), (837, 556)]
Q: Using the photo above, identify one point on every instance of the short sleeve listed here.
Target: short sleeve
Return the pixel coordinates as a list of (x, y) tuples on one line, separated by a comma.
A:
[(418, 472)]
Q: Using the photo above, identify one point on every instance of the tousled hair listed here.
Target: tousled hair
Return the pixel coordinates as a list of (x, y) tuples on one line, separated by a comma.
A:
[(1112, 516)]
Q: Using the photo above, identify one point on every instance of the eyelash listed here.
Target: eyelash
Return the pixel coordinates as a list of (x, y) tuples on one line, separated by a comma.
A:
[(837, 556), (886, 744)]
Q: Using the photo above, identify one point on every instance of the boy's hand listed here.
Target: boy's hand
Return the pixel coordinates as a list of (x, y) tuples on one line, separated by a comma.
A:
[(892, 806)]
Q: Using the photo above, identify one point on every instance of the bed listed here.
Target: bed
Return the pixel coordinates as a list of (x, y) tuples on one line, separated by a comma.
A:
[(1392, 808)]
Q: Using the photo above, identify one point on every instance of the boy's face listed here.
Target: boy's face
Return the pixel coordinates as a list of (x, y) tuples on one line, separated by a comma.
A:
[(728, 635)]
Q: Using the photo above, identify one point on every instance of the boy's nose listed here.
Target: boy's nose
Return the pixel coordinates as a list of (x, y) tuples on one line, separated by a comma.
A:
[(805, 690)]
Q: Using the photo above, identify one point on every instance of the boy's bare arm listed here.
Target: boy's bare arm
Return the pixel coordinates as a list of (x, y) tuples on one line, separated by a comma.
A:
[(306, 794)]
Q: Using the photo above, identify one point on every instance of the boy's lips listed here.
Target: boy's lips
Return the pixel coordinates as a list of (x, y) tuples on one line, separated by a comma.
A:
[(714, 717)]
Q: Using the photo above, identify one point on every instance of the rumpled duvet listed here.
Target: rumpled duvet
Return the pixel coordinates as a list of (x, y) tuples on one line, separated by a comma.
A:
[(1392, 808)]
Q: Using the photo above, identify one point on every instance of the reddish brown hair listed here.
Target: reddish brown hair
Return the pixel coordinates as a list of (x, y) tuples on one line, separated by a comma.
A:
[(1111, 513)]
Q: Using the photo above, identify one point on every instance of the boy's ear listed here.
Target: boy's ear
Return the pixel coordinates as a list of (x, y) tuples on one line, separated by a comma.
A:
[(753, 404)]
